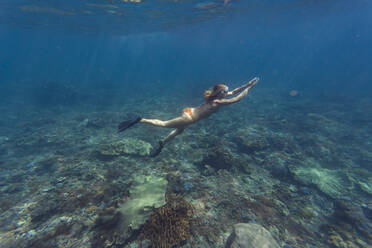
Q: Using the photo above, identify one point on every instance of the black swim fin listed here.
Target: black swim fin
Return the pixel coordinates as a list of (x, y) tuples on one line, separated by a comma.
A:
[(155, 152), (127, 124)]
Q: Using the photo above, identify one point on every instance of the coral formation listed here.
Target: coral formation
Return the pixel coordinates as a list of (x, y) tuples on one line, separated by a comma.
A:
[(170, 224)]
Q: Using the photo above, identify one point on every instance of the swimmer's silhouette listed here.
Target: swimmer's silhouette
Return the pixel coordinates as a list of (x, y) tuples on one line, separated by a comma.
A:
[(214, 99)]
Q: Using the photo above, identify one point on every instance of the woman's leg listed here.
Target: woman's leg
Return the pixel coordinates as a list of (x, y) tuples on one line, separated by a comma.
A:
[(170, 136), (179, 122)]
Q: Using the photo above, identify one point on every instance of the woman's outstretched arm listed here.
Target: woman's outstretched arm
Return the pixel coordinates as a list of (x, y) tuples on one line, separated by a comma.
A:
[(243, 87), (237, 98)]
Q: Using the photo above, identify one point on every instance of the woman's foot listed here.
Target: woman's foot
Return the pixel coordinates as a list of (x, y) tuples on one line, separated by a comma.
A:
[(127, 124), (155, 152)]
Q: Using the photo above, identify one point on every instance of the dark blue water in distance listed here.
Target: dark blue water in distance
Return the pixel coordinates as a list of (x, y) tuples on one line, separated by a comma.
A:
[(296, 152), (314, 45)]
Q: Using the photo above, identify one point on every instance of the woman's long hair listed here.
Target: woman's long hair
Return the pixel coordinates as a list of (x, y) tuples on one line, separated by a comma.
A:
[(211, 94)]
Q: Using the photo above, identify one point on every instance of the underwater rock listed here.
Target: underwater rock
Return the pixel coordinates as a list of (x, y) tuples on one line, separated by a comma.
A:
[(48, 234), (365, 157), (141, 244), (277, 164), (128, 146), (180, 183), (358, 216), (9, 220), (305, 190), (188, 186), (219, 158), (46, 165), (250, 141), (250, 235), (59, 226), (5, 204), (335, 240), (365, 186), (249, 146), (306, 212), (280, 171), (95, 123), (3, 139), (107, 219), (45, 209), (341, 236)]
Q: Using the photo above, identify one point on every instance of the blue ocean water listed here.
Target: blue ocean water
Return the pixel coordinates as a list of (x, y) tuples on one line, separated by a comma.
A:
[(324, 45), (294, 156)]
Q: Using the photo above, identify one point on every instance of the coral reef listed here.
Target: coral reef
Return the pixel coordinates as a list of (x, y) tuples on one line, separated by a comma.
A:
[(67, 179)]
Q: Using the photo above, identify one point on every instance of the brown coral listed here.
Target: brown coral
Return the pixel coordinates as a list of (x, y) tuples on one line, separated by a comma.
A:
[(170, 224)]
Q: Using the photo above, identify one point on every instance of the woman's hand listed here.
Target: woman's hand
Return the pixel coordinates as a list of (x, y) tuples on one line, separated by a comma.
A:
[(248, 85), (251, 83)]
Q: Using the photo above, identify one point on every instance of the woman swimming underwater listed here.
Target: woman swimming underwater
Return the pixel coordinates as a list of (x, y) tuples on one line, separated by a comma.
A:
[(214, 99)]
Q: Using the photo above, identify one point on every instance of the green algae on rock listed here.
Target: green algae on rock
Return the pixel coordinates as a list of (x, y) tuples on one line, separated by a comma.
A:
[(149, 192), (334, 183)]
